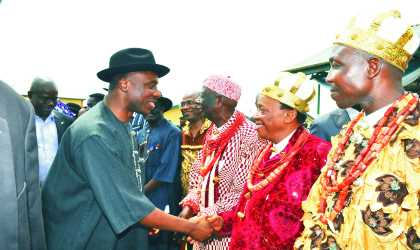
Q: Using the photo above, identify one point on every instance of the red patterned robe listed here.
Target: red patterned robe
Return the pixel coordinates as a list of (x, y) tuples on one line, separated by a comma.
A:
[(273, 214), (237, 159)]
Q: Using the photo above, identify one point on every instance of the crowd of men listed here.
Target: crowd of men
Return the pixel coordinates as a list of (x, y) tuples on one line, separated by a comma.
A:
[(112, 180)]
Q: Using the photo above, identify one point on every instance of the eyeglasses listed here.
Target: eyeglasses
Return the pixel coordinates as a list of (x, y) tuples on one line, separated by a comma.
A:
[(47, 99), (187, 103)]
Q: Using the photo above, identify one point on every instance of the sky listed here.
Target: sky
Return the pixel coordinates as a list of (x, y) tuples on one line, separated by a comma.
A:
[(70, 41)]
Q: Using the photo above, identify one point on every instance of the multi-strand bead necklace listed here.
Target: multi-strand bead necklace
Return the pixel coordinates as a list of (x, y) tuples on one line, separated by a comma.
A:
[(380, 138)]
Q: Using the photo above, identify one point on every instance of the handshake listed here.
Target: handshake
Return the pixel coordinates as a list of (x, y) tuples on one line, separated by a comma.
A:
[(204, 227)]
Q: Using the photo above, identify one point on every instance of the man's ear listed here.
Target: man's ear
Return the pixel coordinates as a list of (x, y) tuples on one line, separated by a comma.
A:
[(123, 84), (374, 67), (30, 94), (291, 115), (219, 101)]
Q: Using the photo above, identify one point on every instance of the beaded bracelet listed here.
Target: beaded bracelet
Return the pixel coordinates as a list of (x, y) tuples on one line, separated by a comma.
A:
[(192, 204)]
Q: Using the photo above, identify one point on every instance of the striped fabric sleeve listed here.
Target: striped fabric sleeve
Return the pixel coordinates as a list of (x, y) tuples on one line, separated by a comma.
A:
[(238, 156), (239, 171)]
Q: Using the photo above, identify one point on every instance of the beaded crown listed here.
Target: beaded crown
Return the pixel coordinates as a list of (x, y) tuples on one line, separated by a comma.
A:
[(223, 85), (291, 89), (383, 34)]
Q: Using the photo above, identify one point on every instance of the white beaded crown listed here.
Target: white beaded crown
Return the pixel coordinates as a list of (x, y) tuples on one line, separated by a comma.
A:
[(383, 34)]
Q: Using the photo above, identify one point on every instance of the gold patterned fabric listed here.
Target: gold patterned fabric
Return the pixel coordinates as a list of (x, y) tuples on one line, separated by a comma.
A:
[(190, 147), (382, 212)]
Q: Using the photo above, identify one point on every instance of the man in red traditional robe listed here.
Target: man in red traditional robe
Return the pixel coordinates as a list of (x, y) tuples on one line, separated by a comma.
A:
[(231, 144), (269, 211)]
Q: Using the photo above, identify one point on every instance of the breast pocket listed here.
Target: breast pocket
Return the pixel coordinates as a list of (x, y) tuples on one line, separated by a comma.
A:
[(154, 156)]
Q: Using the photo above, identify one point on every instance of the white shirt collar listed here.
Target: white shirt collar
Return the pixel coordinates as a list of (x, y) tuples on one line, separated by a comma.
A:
[(352, 113), (373, 118), (50, 117), (282, 144)]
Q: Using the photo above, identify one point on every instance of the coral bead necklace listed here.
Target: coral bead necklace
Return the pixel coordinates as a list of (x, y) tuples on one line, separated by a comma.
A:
[(380, 138), (219, 143)]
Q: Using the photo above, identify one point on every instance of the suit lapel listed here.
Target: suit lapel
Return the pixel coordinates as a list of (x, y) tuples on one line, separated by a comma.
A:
[(9, 207), (59, 123), (341, 117)]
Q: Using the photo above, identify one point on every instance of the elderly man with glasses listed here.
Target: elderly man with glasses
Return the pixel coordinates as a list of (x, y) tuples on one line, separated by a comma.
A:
[(50, 125)]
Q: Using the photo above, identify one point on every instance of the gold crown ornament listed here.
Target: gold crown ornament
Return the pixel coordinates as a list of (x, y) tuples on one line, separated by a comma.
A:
[(291, 89), (383, 34)]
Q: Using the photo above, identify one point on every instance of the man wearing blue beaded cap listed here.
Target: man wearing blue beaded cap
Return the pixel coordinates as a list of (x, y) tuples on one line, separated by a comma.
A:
[(367, 196)]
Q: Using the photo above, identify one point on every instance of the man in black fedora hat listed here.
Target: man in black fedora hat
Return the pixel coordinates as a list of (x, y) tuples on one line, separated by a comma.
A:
[(159, 148), (74, 108), (94, 99), (94, 199)]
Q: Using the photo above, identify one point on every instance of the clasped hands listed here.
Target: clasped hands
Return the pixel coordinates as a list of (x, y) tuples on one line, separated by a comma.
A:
[(205, 226)]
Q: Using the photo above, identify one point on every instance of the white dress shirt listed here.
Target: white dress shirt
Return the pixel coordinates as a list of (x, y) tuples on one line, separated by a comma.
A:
[(281, 145), (352, 113), (373, 118), (47, 138)]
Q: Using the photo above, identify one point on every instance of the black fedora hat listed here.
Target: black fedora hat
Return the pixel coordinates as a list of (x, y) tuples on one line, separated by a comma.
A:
[(167, 103), (74, 108), (132, 60)]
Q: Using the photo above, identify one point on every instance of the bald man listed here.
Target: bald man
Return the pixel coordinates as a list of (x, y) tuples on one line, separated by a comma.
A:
[(193, 134), (50, 125)]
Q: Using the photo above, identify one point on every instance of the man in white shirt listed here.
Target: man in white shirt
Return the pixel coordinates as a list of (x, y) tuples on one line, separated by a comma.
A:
[(50, 126)]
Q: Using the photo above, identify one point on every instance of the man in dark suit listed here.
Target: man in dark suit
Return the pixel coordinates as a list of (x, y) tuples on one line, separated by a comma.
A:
[(21, 224), (50, 125), (330, 124)]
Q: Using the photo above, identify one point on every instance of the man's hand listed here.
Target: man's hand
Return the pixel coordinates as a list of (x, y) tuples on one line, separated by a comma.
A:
[(201, 229), (215, 221), (186, 213)]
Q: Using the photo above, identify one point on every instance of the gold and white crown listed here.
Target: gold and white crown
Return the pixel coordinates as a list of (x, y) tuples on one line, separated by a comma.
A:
[(383, 34), (291, 89)]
